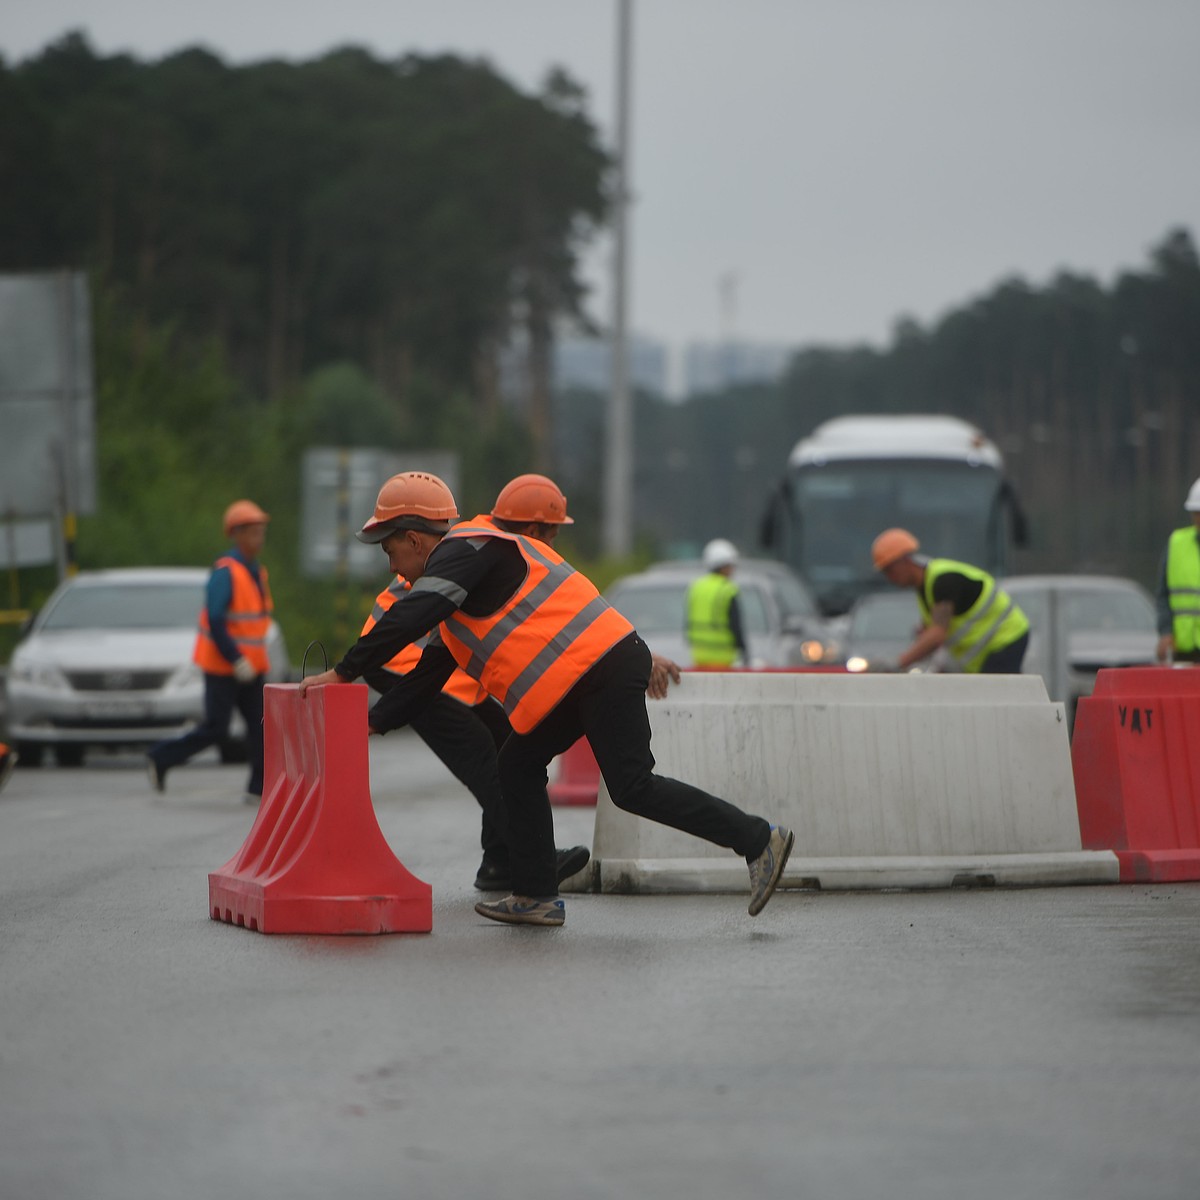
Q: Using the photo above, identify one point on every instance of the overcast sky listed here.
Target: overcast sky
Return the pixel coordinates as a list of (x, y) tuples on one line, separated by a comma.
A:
[(842, 162)]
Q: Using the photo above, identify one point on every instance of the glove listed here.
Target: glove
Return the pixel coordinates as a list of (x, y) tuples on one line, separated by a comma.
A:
[(243, 671)]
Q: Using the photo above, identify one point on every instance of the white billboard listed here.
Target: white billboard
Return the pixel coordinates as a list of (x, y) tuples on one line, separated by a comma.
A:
[(47, 412), (339, 489)]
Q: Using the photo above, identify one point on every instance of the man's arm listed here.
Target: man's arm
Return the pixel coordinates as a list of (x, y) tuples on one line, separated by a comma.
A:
[(931, 637), (735, 627), (1164, 621), (218, 596), (412, 692)]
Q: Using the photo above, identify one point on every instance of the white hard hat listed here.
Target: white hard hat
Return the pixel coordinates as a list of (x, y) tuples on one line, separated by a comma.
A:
[(719, 553), (1192, 503)]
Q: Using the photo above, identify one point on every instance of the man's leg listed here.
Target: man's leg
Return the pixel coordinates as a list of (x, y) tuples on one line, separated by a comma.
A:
[(612, 703), (467, 747), (250, 704), (525, 807), (220, 694)]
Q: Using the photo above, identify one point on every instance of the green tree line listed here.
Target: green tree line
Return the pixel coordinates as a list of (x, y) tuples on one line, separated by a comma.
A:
[(405, 216), (285, 255), (334, 252)]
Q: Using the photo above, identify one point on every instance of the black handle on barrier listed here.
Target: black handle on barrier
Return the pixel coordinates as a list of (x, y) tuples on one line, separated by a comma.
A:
[(304, 661)]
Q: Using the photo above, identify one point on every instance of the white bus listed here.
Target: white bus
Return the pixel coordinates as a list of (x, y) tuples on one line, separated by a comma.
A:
[(854, 476)]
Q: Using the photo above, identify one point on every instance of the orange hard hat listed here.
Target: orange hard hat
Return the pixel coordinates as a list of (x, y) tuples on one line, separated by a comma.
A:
[(243, 512), (891, 546), (532, 498), (410, 500)]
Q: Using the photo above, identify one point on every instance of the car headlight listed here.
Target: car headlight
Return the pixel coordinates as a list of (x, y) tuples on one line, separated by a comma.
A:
[(187, 676), (38, 674), (812, 651)]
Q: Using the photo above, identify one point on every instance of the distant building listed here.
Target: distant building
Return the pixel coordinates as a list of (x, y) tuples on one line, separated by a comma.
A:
[(714, 366), (586, 362)]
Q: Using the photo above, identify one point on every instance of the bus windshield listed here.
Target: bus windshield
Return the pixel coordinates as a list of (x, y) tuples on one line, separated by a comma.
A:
[(839, 507)]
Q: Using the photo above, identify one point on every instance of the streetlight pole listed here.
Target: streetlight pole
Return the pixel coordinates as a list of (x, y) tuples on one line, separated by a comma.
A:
[(618, 475)]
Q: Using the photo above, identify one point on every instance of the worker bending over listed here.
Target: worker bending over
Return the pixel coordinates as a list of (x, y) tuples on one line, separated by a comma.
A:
[(962, 608)]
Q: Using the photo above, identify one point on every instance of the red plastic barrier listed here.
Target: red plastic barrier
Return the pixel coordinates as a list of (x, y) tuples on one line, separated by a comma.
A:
[(578, 780), (315, 860), (1135, 752)]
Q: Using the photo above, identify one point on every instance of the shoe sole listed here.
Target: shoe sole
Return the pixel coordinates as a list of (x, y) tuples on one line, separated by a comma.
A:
[(776, 875), (539, 919)]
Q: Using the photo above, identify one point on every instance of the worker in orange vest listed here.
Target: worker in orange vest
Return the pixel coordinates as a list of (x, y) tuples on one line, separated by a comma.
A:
[(565, 664), (231, 650), (465, 728)]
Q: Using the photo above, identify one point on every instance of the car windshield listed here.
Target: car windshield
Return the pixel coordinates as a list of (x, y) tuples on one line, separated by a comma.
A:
[(1088, 610), (841, 506), (125, 606), (662, 607), (1107, 610)]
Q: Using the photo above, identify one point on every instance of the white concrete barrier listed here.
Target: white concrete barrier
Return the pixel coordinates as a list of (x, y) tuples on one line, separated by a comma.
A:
[(889, 781)]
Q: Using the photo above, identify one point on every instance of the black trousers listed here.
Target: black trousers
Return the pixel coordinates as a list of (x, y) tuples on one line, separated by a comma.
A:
[(1008, 659), (608, 705), (222, 694), (466, 740)]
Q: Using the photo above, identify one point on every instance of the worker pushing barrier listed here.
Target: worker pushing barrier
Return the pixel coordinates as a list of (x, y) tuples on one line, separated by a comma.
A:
[(463, 725), (536, 633)]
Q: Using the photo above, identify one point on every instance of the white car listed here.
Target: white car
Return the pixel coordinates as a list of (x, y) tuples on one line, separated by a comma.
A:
[(1079, 624), (107, 662)]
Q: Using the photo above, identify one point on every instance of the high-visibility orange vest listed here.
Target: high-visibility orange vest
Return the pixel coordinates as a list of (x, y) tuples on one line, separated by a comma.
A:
[(533, 649), (460, 685), (248, 621)]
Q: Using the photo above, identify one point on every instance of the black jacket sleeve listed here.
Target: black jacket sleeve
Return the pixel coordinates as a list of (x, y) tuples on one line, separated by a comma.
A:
[(410, 694)]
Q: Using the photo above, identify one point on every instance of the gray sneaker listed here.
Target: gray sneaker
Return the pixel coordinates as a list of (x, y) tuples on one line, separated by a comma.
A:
[(524, 910), (767, 868)]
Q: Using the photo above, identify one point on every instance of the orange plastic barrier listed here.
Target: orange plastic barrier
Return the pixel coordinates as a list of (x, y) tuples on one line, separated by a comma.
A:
[(1135, 753), (578, 780), (316, 860)]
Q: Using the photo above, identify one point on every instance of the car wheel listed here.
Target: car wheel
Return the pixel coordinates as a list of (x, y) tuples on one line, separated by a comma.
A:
[(68, 756), (29, 754)]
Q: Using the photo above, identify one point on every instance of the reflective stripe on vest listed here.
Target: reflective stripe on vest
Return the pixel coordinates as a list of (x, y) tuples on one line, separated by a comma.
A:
[(990, 624), (532, 650), (248, 621), (1183, 588), (711, 639), (460, 686)]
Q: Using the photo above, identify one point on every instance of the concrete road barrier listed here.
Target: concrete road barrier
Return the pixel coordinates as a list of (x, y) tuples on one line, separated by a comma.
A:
[(889, 781)]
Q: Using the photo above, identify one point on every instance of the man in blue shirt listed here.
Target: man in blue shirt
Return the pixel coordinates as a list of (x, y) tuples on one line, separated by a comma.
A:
[(231, 650)]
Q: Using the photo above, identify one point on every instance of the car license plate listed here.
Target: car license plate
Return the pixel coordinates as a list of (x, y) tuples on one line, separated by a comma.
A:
[(116, 710)]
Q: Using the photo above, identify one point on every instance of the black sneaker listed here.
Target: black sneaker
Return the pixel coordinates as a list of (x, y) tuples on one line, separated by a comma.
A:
[(496, 877)]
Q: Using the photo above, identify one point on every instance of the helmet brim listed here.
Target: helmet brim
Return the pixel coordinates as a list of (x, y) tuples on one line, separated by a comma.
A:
[(374, 532)]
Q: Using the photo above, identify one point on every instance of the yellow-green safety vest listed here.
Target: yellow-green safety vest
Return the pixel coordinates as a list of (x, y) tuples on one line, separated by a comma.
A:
[(990, 624), (1183, 588), (709, 635)]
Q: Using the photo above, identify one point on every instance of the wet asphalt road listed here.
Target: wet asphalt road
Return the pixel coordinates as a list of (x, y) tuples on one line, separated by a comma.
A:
[(987, 1044)]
